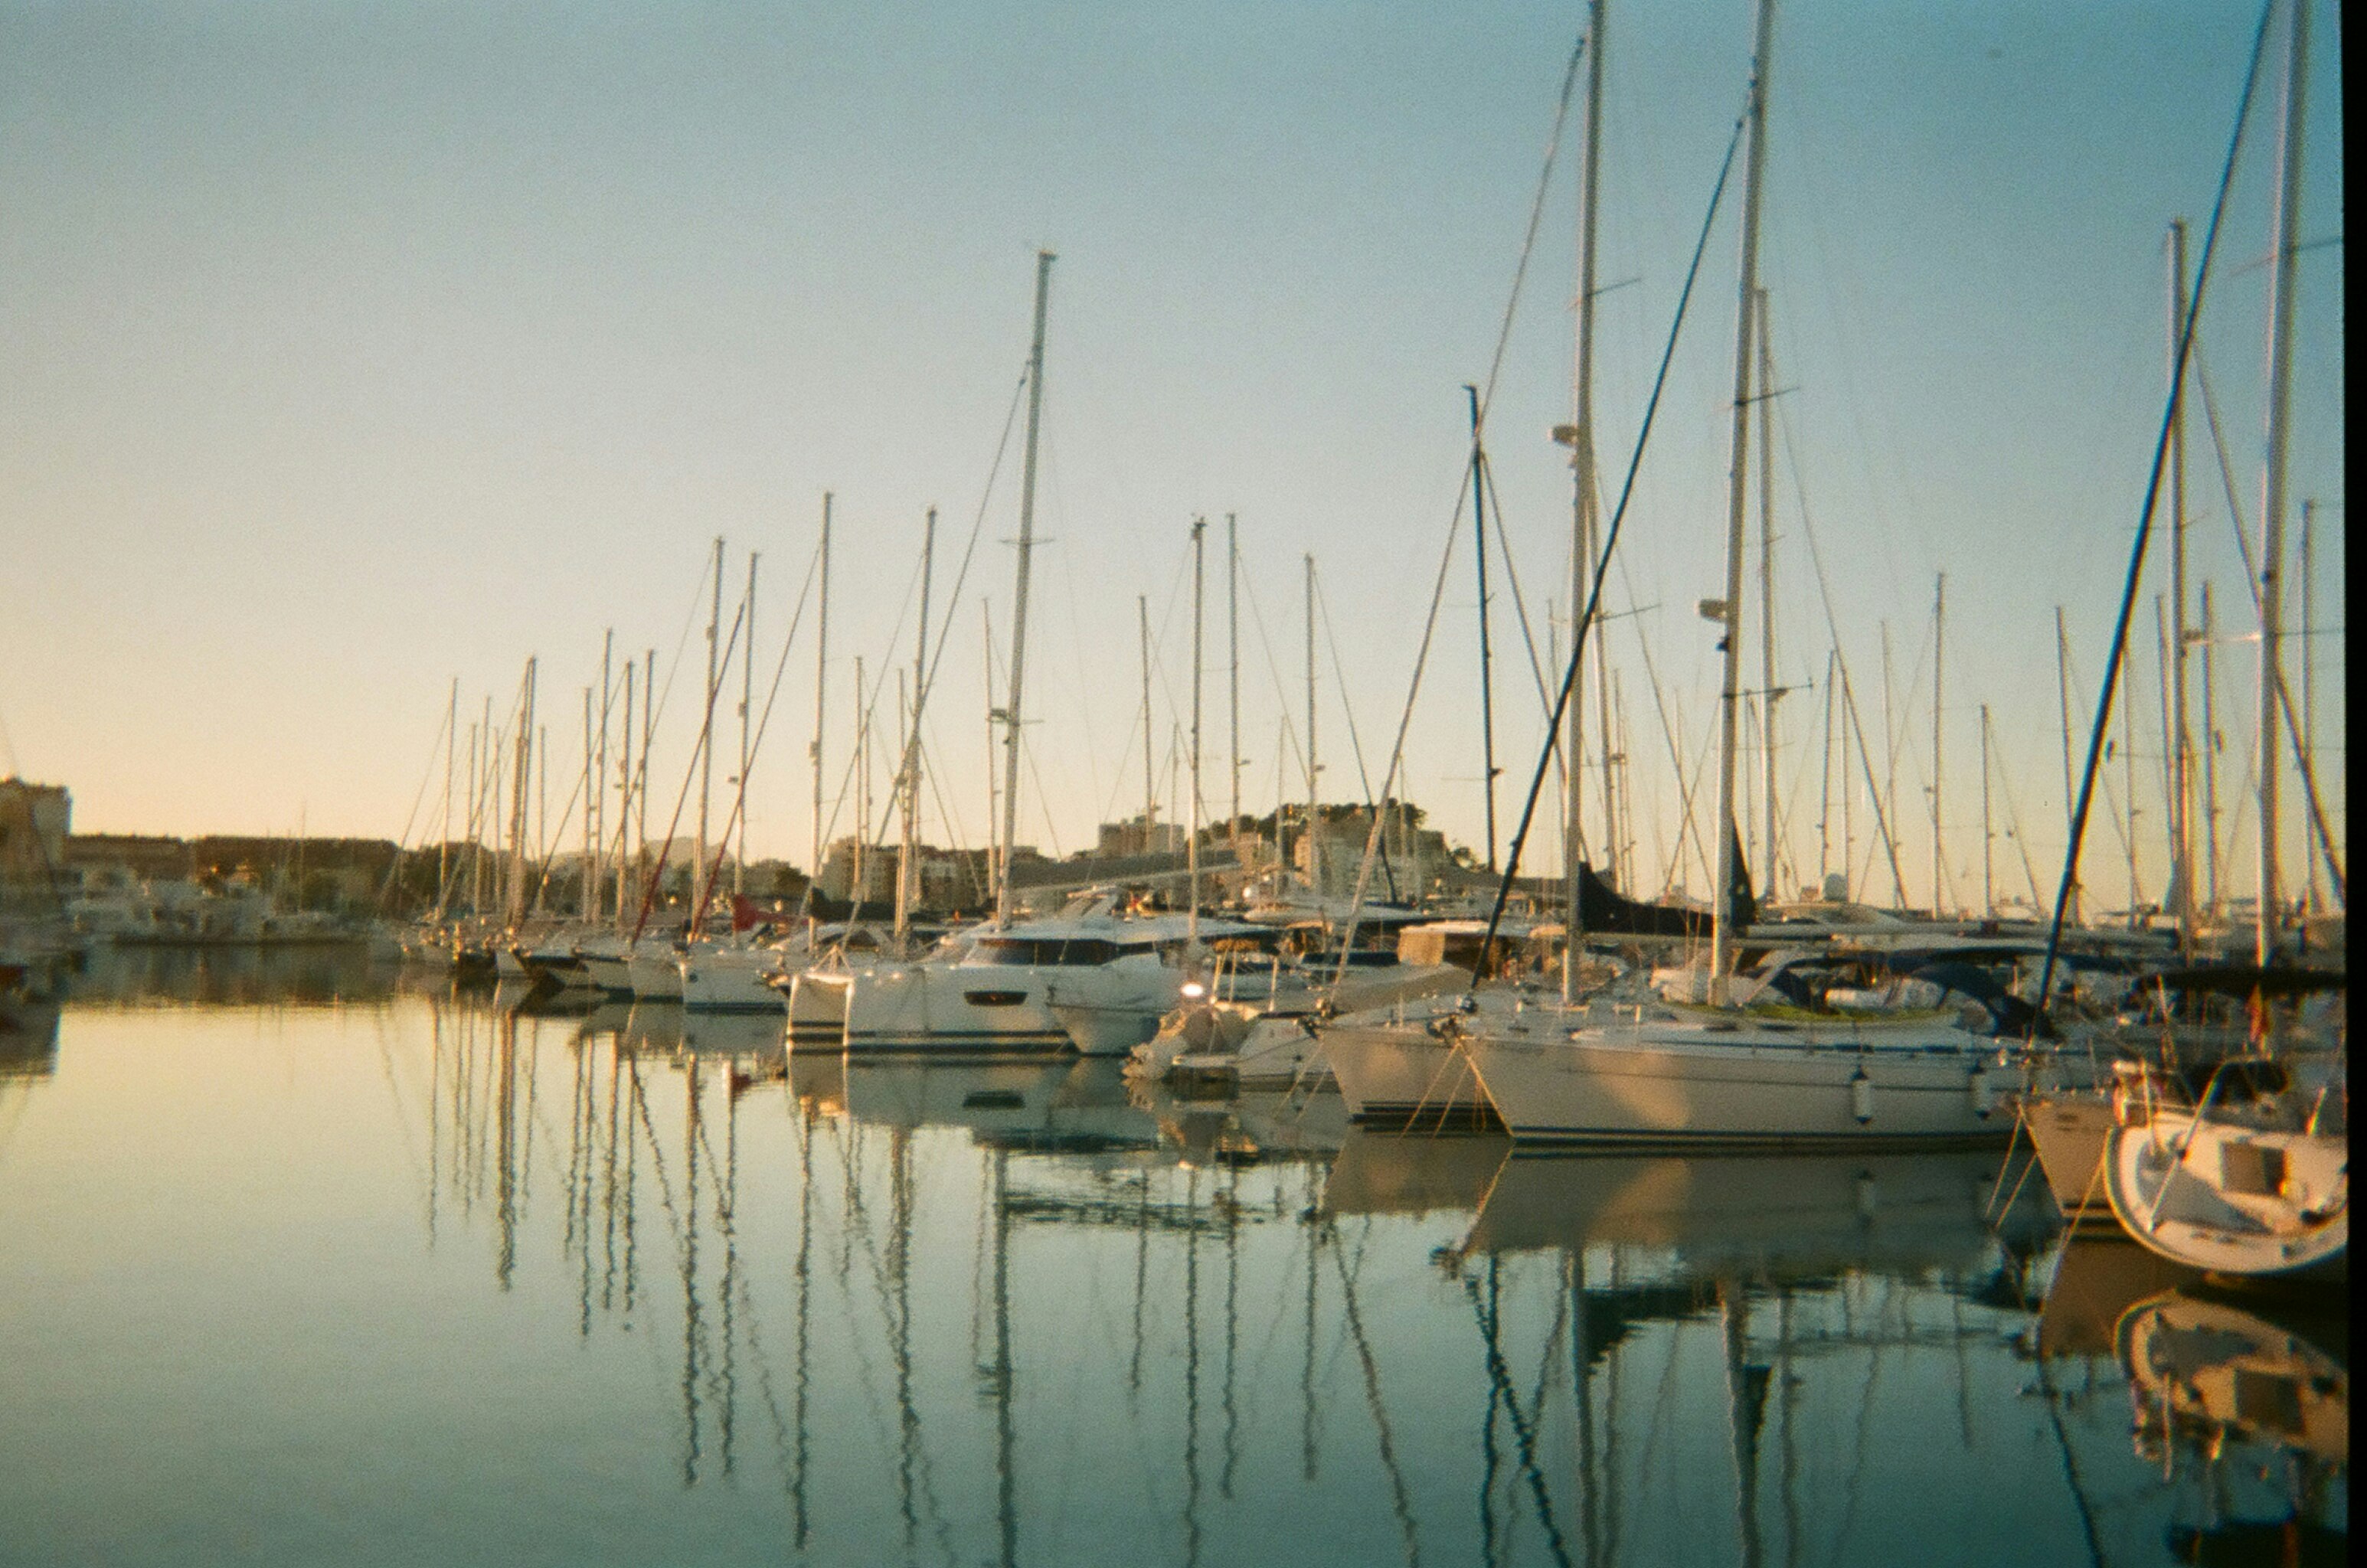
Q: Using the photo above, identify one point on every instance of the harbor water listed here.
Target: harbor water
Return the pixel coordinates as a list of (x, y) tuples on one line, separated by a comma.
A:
[(301, 1262)]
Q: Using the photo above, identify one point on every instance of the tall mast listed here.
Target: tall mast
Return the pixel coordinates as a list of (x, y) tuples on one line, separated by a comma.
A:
[(908, 867), (1011, 721), (862, 786), (1988, 868), (599, 769), (1939, 642), (649, 733), (625, 798), (2062, 692), (707, 728), (1150, 751), (2210, 763), (1313, 834), (822, 705), (2129, 785), (747, 713), (2273, 483), (1233, 662), (588, 884), (993, 847), (1722, 932), (1487, 695), (1825, 781), (1581, 468), (444, 850), (2182, 745), (1192, 840), (1767, 693), (2312, 903)]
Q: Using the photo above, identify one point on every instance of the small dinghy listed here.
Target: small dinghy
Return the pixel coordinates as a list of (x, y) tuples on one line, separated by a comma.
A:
[(2252, 1180)]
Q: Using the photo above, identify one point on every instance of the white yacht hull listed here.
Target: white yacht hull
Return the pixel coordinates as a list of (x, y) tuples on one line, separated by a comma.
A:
[(1752, 1085), (914, 1007), (730, 980)]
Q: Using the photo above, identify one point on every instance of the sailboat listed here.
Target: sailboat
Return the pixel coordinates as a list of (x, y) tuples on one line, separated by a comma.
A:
[(1564, 1071)]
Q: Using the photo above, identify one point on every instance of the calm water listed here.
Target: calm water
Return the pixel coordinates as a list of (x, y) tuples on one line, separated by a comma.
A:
[(299, 1266)]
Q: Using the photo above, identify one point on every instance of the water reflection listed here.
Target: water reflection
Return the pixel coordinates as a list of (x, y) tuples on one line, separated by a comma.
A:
[(302, 972), (754, 1305)]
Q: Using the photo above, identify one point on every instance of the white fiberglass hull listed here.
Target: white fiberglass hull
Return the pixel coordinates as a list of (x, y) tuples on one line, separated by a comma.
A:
[(731, 980), (2231, 1199), (817, 1005), (917, 1006), (1747, 1085)]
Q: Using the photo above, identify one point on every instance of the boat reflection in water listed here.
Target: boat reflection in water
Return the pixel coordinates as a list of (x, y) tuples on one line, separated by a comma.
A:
[(2225, 1391), (1022, 1311), (2235, 1404)]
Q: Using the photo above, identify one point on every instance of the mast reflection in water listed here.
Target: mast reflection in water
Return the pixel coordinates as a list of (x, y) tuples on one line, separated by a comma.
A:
[(375, 1276)]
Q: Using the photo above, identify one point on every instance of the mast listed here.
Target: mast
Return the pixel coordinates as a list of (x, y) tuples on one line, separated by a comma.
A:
[(1233, 663), (2182, 744), (747, 711), (908, 869), (993, 849), (588, 885), (2273, 483), (2129, 785), (1939, 642), (2311, 903), (2210, 765), (822, 705), (1825, 782), (1191, 840), (1989, 869), (1011, 722), (1149, 754), (2063, 690), (1722, 932), (625, 798), (444, 850), (599, 769), (1768, 692), (1313, 834), (862, 786), (648, 732), (1581, 468), (707, 730), (1487, 695)]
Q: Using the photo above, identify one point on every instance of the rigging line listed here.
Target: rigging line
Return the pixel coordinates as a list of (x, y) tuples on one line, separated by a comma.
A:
[(1142, 713), (674, 667), (952, 599), (1520, 605), (2122, 824), (2252, 585), (1529, 241), (1610, 542), (1355, 745), (392, 866), (1832, 628), (739, 796), (1274, 670), (870, 722), (1671, 731), (2145, 525), (705, 733)]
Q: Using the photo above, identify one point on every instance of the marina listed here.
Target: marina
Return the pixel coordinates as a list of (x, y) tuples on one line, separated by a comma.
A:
[(314, 1261), (825, 811)]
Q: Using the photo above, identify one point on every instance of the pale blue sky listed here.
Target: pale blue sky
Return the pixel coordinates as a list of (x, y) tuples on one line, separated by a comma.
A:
[(350, 348)]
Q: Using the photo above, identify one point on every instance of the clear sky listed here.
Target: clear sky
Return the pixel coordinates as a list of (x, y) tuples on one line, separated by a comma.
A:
[(352, 348)]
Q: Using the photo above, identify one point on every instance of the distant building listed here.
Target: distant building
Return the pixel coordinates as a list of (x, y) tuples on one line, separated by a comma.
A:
[(34, 822), (1138, 836)]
